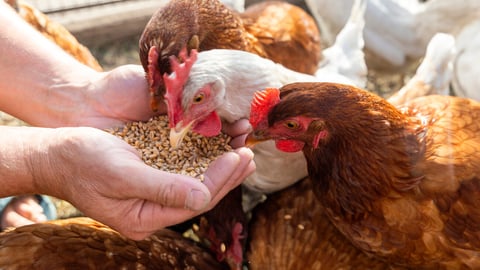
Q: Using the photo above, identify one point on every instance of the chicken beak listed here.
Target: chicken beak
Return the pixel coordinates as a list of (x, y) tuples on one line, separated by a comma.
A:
[(254, 138), (178, 133)]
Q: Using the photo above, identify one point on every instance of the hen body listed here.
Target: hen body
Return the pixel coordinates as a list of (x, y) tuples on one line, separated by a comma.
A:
[(466, 81), (82, 243), (290, 231), (434, 74), (223, 230), (396, 31), (276, 30), (402, 185)]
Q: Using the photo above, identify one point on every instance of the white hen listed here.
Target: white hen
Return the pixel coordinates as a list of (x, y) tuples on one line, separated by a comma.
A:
[(434, 74), (237, 5), (224, 81), (396, 31), (466, 71), (346, 56)]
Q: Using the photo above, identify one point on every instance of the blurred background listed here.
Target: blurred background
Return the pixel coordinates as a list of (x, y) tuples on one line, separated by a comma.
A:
[(109, 28)]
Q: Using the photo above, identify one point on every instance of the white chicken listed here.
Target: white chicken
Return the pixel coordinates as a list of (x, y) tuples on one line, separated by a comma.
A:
[(220, 86), (434, 74), (237, 5), (396, 31), (466, 79), (346, 56)]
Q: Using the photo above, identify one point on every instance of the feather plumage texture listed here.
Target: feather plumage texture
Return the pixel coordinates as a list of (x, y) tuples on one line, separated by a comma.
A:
[(291, 231), (401, 184), (346, 56), (82, 243), (466, 81), (228, 79), (396, 31), (434, 75)]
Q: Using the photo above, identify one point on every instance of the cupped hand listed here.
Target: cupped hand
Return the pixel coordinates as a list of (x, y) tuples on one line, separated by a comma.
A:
[(116, 97), (105, 178)]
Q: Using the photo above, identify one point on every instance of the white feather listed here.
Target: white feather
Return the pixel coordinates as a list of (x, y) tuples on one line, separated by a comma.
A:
[(434, 74), (346, 57), (466, 76), (396, 31)]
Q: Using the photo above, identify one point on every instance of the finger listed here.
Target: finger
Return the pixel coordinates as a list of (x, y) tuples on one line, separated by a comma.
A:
[(246, 168), (154, 216), (238, 128), (13, 219), (29, 207), (238, 141), (226, 173), (168, 189)]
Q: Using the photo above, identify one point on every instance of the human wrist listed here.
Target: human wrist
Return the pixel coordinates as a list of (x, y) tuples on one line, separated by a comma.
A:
[(39, 160), (19, 148), (69, 99), (41, 83), (52, 160)]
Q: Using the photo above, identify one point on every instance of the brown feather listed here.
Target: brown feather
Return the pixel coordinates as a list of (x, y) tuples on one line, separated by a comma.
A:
[(291, 231), (82, 243), (401, 184)]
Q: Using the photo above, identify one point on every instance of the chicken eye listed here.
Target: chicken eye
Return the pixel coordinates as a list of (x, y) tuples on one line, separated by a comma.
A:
[(291, 125), (198, 98)]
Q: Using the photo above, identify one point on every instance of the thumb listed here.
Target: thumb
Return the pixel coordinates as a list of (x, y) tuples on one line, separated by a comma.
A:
[(172, 190)]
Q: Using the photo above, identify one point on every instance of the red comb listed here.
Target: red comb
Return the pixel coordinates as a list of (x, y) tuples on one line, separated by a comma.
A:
[(154, 77), (262, 103), (174, 82)]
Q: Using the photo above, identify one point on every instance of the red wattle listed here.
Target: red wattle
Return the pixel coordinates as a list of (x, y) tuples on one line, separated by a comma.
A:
[(289, 145), (210, 126)]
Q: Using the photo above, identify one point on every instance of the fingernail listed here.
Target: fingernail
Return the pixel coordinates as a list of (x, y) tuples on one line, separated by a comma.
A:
[(196, 200)]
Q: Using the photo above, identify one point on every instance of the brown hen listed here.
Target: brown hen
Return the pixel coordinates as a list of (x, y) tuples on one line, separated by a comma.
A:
[(291, 231), (82, 243), (223, 230), (401, 184), (276, 30)]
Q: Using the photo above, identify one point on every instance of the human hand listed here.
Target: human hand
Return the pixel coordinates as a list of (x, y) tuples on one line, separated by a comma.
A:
[(115, 97), (238, 131), (105, 178), (22, 210)]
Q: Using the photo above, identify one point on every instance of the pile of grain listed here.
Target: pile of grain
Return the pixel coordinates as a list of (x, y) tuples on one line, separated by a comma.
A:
[(191, 158)]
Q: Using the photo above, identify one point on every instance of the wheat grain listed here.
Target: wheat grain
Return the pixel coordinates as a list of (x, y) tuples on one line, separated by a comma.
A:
[(151, 139)]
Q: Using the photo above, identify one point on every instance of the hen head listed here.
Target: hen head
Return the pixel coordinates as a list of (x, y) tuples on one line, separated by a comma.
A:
[(231, 251), (157, 43), (191, 105), (311, 115), (291, 129)]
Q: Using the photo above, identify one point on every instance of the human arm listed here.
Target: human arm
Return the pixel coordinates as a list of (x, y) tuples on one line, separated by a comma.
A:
[(44, 86)]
